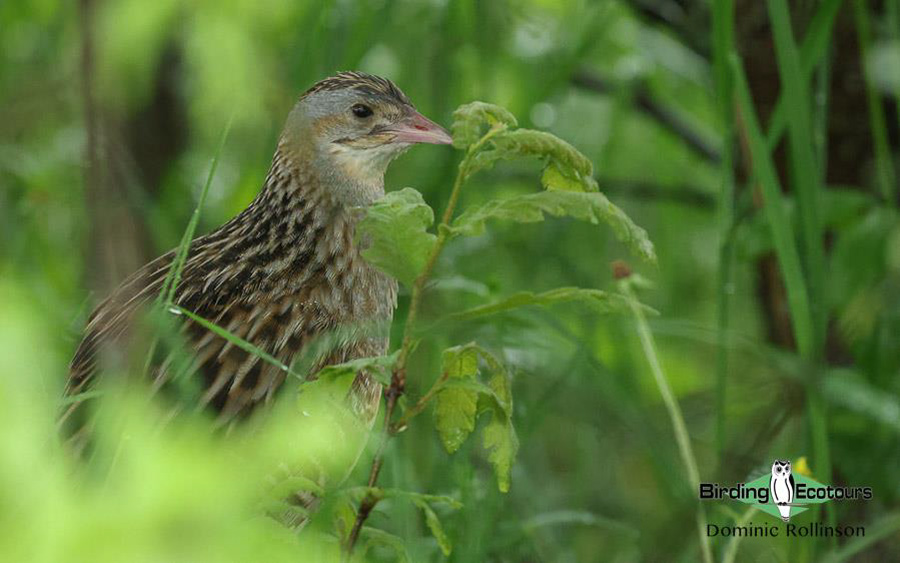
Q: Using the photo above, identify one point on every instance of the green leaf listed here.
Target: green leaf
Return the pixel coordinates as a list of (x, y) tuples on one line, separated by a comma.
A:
[(528, 143), (501, 386), (499, 436), (531, 143), (557, 177), (469, 121), (601, 301), (434, 524), (463, 397), (499, 439), (394, 234), (455, 408), (530, 208), (378, 367)]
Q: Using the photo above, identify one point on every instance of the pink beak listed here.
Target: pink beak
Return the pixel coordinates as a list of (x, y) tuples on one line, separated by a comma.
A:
[(416, 128)]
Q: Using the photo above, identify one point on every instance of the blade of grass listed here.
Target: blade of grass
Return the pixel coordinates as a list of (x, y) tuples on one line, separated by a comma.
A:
[(877, 120), (234, 339), (815, 44), (789, 261), (806, 179), (820, 115), (682, 437), (167, 294), (731, 548), (776, 214), (723, 46), (893, 19)]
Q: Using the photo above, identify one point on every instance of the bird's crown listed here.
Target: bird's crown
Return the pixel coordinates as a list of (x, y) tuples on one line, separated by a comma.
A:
[(361, 81)]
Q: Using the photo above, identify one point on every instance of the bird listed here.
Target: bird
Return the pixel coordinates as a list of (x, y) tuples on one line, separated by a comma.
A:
[(782, 487), (288, 269)]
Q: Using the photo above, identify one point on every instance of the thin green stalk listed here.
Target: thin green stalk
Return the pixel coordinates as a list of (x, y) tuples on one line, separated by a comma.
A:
[(731, 548), (807, 181), (815, 45), (167, 295), (398, 379), (442, 237), (723, 45), (877, 120), (807, 185), (789, 260), (236, 340), (820, 113), (893, 19), (682, 437), (776, 215)]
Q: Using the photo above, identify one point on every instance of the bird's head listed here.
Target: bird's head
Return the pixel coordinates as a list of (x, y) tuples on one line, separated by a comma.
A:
[(350, 126)]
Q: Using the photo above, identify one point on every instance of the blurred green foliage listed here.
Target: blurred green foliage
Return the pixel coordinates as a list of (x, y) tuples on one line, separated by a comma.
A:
[(597, 475)]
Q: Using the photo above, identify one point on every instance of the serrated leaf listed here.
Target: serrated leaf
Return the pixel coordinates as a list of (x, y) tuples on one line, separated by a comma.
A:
[(601, 301), (540, 144), (499, 436), (528, 143), (470, 119), (394, 236), (434, 525), (378, 367), (500, 440), (455, 408), (530, 208)]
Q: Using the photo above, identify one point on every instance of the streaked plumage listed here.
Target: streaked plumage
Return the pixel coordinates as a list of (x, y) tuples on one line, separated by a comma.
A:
[(286, 270)]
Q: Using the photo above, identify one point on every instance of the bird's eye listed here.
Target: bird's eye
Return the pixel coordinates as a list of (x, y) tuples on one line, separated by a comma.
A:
[(361, 110)]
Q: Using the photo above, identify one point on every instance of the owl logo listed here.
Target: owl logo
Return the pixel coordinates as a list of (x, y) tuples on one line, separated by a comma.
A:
[(782, 487)]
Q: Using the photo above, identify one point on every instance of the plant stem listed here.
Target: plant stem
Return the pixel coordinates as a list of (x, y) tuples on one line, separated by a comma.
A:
[(723, 41), (398, 378), (420, 405), (675, 416), (731, 547), (443, 235), (877, 121), (167, 295)]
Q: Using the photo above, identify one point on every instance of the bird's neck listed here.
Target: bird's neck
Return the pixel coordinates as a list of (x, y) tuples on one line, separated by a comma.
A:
[(304, 210), (345, 176)]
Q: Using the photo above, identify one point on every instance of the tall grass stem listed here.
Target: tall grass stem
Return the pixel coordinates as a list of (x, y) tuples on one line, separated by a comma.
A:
[(682, 437)]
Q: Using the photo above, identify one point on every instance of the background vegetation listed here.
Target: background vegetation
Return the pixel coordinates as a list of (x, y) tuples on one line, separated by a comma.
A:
[(756, 142)]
